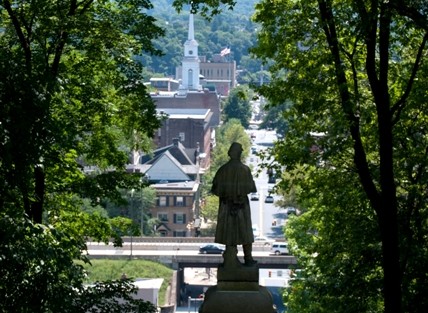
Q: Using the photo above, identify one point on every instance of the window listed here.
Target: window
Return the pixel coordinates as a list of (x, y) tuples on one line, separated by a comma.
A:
[(190, 77), (182, 136), (163, 217), (180, 233), (179, 218), (162, 201), (179, 201)]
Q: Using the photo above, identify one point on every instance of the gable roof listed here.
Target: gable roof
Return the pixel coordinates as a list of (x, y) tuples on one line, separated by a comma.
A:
[(166, 168), (183, 155)]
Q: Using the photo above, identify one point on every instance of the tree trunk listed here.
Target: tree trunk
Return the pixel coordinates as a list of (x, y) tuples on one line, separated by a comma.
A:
[(39, 191)]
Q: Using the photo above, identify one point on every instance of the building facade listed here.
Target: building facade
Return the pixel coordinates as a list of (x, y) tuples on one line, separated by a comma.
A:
[(175, 208), (221, 74)]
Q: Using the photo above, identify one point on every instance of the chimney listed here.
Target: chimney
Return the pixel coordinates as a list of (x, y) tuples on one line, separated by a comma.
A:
[(175, 142)]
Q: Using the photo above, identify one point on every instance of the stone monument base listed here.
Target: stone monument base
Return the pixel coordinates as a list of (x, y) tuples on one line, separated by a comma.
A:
[(237, 291)]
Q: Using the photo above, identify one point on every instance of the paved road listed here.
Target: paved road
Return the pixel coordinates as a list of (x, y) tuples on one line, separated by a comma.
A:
[(264, 214), (158, 249)]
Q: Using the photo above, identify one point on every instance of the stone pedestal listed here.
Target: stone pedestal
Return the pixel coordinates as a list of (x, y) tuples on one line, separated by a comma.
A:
[(237, 291)]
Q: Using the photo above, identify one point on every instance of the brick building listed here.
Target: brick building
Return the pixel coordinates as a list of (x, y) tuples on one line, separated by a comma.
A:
[(174, 172), (175, 208)]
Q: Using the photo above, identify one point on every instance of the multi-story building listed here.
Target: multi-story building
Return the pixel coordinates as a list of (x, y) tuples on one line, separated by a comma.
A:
[(174, 172), (175, 208), (220, 72), (191, 127)]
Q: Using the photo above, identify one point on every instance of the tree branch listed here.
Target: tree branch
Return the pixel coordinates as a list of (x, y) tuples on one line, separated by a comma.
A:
[(360, 158), (404, 9), (400, 104), (22, 39), (74, 5)]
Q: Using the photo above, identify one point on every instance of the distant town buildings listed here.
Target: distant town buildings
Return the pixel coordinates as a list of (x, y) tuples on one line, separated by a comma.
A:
[(185, 140), (218, 73), (193, 110), (174, 171)]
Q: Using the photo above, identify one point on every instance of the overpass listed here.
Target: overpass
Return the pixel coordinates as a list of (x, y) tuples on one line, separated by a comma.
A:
[(171, 253), (167, 250), (200, 260)]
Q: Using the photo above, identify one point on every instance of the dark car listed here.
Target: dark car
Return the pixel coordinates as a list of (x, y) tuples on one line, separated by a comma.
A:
[(211, 249), (290, 210), (269, 199), (254, 196)]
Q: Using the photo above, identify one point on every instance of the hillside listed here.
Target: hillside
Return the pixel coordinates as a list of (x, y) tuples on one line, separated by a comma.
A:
[(232, 28)]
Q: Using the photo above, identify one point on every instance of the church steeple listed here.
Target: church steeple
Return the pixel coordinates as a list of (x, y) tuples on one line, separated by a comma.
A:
[(191, 35), (190, 64)]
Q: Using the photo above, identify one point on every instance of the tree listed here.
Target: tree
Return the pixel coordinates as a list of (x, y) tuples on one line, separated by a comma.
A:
[(274, 118), (353, 71), (71, 95), (136, 207), (238, 106), (39, 274), (231, 131), (69, 85)]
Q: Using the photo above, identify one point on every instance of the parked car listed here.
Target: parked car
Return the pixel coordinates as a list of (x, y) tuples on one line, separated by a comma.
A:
[(269, 199), (211, 249), (254, 196), (279, 248), (265, 240)]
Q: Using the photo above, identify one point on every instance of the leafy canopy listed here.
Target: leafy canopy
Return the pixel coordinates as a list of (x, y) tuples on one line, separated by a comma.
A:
[(71, 95), (354, 148)]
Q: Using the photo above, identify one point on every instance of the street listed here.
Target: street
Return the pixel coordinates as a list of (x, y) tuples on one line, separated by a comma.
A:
[(269, 218)]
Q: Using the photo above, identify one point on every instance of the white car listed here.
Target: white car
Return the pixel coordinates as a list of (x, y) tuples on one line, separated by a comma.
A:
[(265, 240), (279, 248)]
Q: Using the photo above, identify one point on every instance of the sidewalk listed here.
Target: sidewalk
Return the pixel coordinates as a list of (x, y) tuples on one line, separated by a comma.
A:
[(187, 310)]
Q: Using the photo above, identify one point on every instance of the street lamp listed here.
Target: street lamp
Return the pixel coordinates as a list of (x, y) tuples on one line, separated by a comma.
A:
[(132, 210)]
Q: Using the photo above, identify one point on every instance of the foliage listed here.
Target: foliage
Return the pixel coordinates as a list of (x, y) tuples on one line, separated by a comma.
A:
[(110, 270), (231, 131), (72, 90), (354, 73), (209, 208), (238, 106), (71, 95), (39, 273), (337, 242), (232, 28), (274, 118), (135, 207), (124, 226), (116, 296), (206, 7)]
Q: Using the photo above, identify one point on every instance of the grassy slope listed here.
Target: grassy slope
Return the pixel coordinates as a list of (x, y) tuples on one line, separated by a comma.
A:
[(105, 269)]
